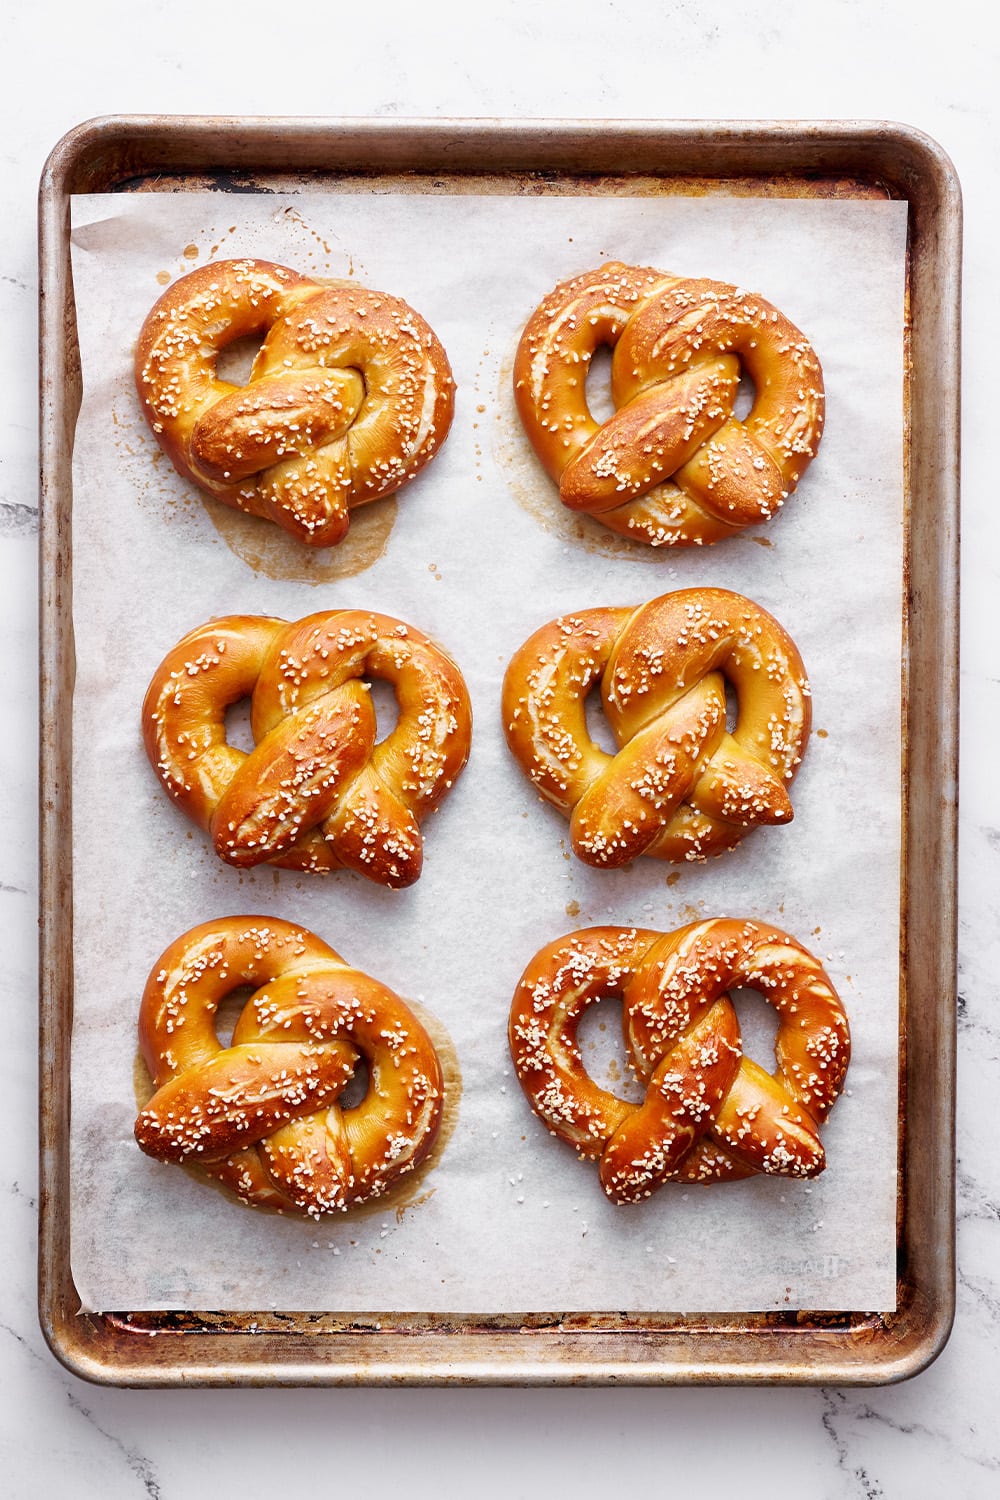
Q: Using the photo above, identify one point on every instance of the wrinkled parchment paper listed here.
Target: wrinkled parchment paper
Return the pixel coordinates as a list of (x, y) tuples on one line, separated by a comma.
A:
[(478, 553)]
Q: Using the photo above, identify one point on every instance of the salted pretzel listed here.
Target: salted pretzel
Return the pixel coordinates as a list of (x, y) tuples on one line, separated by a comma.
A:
[(674, 465), (262, 1115), (317, 792), (710, 1114), (682, 786), (348, 398)]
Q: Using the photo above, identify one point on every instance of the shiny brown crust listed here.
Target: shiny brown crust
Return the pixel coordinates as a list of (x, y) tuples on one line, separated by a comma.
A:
[(316, 793), (262, 1116), (682, 786), (710, 1114), (673, 466), (349, 396)]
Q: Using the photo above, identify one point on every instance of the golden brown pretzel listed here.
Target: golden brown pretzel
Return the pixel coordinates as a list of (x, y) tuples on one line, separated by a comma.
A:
[(349, 396), (317, 792), (682, 786), (674, 466), (710, 1114), (261, 1115)]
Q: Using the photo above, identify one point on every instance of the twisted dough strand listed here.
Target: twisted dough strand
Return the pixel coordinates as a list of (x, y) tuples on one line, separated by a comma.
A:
[(317, 792), (349, 397), (683, 786), (709, 1114), (673, 466), (262, 1116)]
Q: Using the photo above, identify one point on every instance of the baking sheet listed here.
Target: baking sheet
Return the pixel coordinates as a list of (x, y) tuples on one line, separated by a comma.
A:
[(478, 554)]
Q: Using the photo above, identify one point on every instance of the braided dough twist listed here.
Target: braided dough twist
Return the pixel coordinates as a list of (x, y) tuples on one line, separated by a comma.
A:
[(710, 1114), (317, 792), (682, 786), (349, 396), (261, 1116), (674, 466)]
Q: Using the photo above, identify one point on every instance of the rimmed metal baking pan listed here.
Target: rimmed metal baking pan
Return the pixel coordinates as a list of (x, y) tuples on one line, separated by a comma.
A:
[(846, 159)]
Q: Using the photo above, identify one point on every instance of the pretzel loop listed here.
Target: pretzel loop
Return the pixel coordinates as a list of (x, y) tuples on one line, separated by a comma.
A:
[(349, 396), (262, 1115), (683, 785), (317, 792), (709, 1113), (674, 466)]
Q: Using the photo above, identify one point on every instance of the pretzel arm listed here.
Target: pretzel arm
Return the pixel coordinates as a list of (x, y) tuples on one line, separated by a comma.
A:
[(687, 1087), (648, 440), (239, 1097), (294, 775), (273, 419), (627, 807)]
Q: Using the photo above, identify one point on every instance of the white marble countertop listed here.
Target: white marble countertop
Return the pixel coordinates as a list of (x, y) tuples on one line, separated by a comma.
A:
[(905, 61)]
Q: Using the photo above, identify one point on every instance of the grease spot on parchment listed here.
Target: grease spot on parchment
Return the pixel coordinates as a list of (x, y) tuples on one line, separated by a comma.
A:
[(267, 549)]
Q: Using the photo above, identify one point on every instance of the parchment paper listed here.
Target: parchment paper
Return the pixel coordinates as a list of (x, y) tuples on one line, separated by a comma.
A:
[(478, 553)]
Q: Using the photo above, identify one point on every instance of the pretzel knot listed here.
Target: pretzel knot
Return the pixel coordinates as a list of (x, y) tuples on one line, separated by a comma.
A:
[(709, 1114), (317, 792), (674, 466), (682, 785), (262, 1115), (348, 398)]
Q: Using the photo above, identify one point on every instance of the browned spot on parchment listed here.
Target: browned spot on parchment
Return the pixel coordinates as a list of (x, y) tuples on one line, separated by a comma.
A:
[(691, 913), (267, 549)]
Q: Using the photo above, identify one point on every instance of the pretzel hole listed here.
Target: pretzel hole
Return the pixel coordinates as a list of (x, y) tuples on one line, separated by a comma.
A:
[(732, 706), (234, 363), (228, 1012), (598, 727), (386, 707), (598, 389), (758, 1026), (602, 1047), (238, 732), (354, 1091), (746, 395)]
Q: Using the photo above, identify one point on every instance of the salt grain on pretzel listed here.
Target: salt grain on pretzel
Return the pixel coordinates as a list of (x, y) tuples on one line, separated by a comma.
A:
[(674, 466), (317, 792), (682, 785), (262, 1115), (349, 396), (709, 1114)]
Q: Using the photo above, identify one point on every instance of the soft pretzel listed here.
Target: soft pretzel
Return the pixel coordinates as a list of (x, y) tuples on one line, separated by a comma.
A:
[(682, 786), (262, 1115), (674, 466), (317, 792), (709, 1114), (349, 396)]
